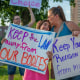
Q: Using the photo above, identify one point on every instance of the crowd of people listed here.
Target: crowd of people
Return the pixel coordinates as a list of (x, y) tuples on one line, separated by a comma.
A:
[(56, 22)]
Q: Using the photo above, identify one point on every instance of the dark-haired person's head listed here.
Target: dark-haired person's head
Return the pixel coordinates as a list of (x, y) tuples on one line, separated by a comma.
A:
[(16, 19), (44, 25), (55, 14)]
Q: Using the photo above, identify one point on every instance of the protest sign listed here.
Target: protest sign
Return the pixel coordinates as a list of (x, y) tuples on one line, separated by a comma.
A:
[(27, 3), (27, 47), (66, 57)]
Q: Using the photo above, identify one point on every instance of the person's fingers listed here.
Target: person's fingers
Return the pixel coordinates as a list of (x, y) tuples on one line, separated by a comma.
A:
[(3, 40), (49, 53), (75, 33)]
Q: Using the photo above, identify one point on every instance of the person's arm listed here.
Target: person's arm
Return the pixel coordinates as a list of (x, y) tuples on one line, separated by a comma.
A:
[(32, 17), (50, 55), (72, 26)]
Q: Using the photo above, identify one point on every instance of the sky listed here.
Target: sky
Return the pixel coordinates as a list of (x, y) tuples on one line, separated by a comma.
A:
[(65, 5)]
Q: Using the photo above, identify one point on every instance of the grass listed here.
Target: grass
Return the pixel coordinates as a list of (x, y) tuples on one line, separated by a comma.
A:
[(4, 73)]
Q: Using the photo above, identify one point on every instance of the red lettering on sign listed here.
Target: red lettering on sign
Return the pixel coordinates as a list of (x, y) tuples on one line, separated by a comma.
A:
[(32, 60), (7, 54)]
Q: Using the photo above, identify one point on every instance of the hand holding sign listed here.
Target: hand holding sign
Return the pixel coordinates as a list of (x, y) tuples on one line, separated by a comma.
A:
[(3, 40), (75, 33)]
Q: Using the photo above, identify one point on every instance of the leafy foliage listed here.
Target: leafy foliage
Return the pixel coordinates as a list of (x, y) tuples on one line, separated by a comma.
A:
[(7, 11)]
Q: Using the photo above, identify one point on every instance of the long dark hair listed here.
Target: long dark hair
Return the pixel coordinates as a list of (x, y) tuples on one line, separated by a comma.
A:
[(58, 10), (41, 22)]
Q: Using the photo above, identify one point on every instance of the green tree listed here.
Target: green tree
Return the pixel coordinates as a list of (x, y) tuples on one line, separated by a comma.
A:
[(7, 11)]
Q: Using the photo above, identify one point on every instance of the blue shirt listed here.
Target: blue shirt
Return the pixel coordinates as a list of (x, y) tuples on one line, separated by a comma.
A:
[(65, 31)]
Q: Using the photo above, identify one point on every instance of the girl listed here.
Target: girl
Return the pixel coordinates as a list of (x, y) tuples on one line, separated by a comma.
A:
[(31, 75), (59, 24)]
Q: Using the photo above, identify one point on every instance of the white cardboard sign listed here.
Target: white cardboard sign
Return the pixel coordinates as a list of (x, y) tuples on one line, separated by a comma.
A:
[(66, 57), (27, 3), (27, 47)]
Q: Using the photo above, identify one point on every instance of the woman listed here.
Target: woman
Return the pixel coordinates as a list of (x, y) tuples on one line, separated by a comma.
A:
[(44, 25), (62, 27), (56, 17), (29, 75)]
